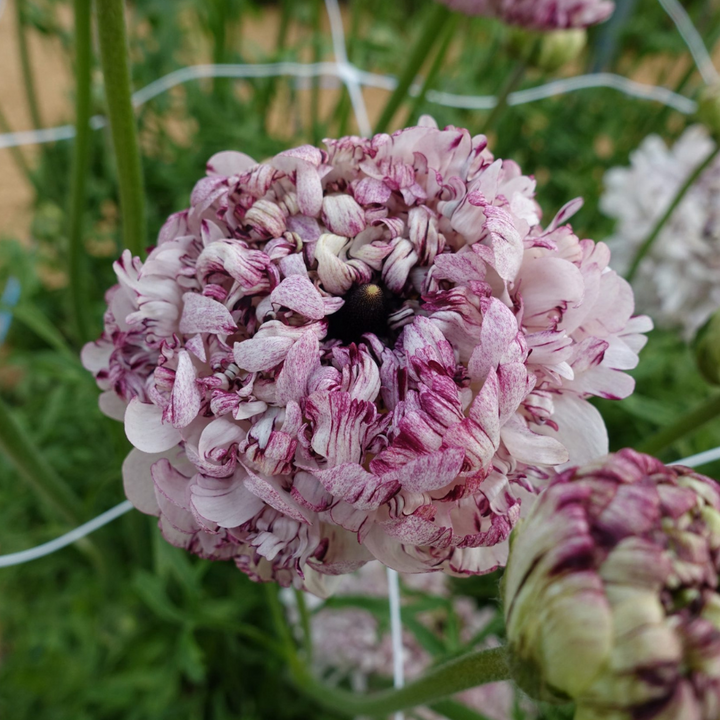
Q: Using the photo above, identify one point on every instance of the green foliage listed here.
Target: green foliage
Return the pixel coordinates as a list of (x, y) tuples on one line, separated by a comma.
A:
[(161, 634)]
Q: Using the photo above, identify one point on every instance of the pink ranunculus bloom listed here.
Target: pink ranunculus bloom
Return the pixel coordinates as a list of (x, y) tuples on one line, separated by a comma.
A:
[(369, 351), (539, 14)]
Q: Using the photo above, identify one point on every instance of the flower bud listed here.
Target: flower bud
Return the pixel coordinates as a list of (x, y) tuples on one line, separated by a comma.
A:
[(707, 349), (709, 108), (611, 592), (547, 51)]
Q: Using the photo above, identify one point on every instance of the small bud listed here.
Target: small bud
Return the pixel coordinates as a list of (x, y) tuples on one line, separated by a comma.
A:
[(611, 592), (709, 108), (707, 349), (547, 51)]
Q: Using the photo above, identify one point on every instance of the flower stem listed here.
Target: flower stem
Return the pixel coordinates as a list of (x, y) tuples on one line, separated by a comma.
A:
[(684, 425), (16, 152), (78, 175), (448, 34), (32, 466), (26, 66), (305, 623), (644, 249), (468, 671), (502, 101), (116, 71), (434, 25)]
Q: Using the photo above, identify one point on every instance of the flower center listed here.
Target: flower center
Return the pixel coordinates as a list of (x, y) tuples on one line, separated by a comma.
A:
[(366, 310)]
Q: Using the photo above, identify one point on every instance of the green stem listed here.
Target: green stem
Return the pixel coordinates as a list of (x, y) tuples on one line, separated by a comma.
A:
[(32, 466), (277, 616), (26, 66), (305, 623), (684, 425), (116, 71), (448, 35), (502, 101), (644, 249), (16, 152), (79, 168), (468, 671), (434, 24)]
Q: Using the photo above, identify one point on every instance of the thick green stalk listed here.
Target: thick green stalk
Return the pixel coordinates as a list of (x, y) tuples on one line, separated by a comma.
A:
[(510, 86), (647, 244), (116, 71), (684, 425), (468, 671), (448, 35), (433, 29), (79, 167), (34, 469), (26, 66)]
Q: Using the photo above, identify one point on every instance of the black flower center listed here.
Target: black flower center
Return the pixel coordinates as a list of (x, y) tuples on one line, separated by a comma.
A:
[(366, 310)]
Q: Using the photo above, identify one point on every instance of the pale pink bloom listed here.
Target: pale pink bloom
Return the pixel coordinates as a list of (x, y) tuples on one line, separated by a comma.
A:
[(539, 14), (373, 350), (349, 643), (678, 282)]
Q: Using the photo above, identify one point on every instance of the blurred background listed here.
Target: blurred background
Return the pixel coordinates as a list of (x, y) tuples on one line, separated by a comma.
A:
[(148, 631)]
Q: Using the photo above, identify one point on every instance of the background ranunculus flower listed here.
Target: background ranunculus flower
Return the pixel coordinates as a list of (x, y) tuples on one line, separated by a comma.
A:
[(373, 350), (351, 642), (611, 592), (539, 14), (679, 279)]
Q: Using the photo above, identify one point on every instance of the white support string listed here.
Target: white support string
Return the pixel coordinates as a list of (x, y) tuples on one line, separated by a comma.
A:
[(702, 458), (64, 540), (348, 73), (396, 633), (693, 40)]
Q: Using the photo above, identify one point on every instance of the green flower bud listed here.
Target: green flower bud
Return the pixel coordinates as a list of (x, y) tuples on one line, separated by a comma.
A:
[(707, 349), (611, 592), (546, 51)]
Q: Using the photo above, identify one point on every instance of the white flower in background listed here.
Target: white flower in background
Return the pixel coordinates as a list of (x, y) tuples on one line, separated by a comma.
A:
[(678, 283)]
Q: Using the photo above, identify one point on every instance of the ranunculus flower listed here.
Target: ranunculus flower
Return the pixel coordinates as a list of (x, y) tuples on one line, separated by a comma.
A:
[(539, 14), (679, 279), (372, 350), (611, 592)]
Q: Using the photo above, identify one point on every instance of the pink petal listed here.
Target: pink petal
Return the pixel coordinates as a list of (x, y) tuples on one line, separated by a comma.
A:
[(229, 162), (186, 398), (203, 314), (226, 502), (138, 482), (260, 354), (300, 363), (297, 293), (146, 430), (429, 472), (342, 215), (351, 483)]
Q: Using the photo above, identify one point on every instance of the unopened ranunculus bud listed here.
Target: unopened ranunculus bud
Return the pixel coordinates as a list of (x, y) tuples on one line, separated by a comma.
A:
[(611, 592), (707, 349), (547, 51), (709, 108)]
